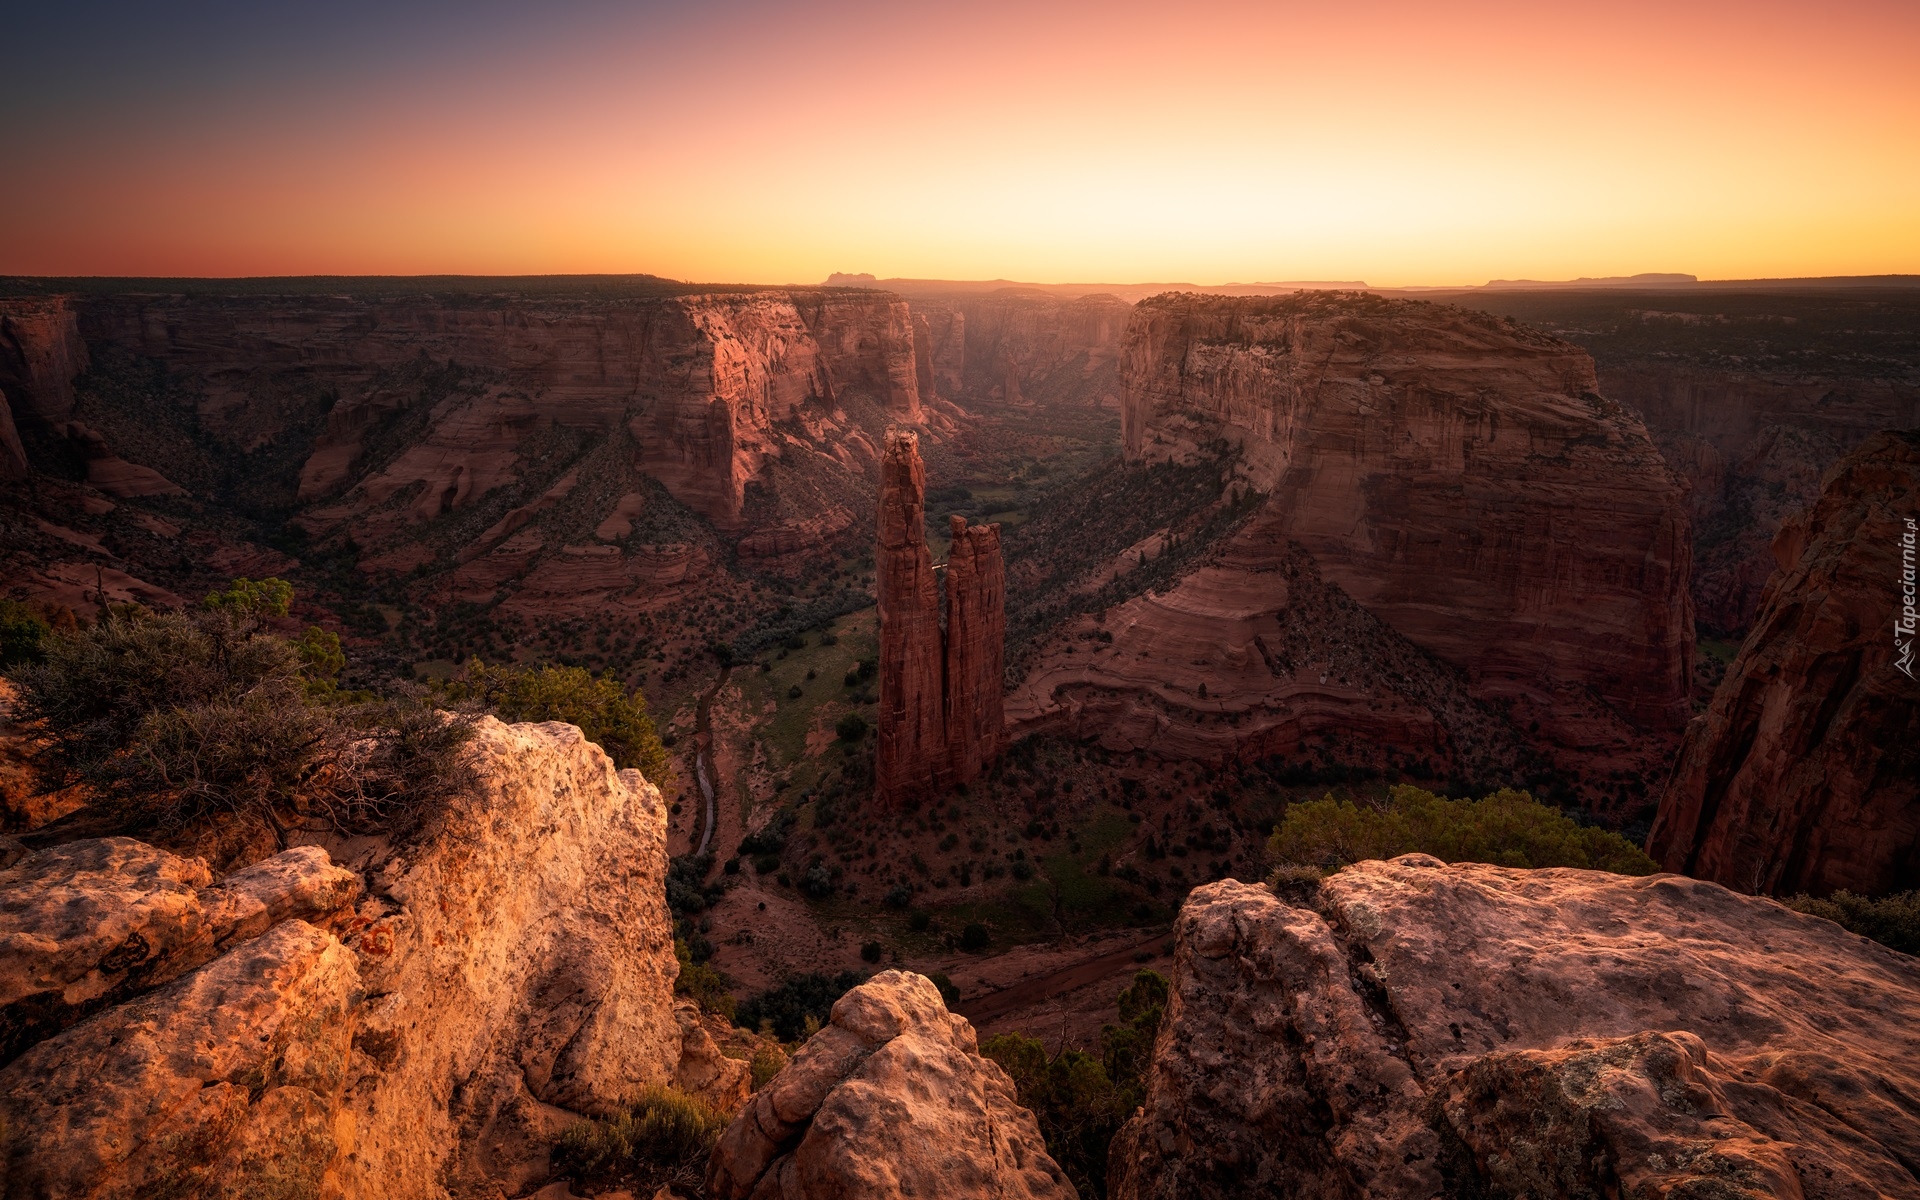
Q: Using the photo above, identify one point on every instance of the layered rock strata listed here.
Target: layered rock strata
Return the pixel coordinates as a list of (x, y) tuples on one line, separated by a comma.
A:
[(41, 353), (1419, 1030), (892, 1098), (507, 971), (1804, 772), (1457, 474), (1021, 347), (940, 718)]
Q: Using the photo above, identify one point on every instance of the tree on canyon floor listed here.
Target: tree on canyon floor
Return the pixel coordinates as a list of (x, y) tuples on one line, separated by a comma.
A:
[(181, 719), (1507, 828), (1081, 1099)]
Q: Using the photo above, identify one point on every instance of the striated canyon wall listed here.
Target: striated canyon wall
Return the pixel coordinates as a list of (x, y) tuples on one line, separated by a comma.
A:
[(1020, 347), (41, 352), (940, 717), (1456, 474), (1804, 772)]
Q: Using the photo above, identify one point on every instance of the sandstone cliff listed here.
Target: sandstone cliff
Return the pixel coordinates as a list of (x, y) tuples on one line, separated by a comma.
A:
[(1753, 446), (1022, 347), (1420, 1030), (1804, 773), (940, 706), (892, 1098), (1455, 474), (40, 354), (278, 1033)]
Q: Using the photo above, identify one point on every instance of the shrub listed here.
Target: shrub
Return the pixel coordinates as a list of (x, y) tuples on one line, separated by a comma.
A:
[(610, 715), (949, 994), (23, 633), (663, 1141), (975, 937), (787, 1008), (1508, 828), (175, 718), (767, 1061), (1891, 920), (1081, 1100), (702, 984), (919, 920), (851, 727), (871, 951), (1022, 869)]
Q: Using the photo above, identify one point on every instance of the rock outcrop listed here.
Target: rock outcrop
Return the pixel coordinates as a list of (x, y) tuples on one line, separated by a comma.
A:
[(1804, 772), (1753, 445), (1457, 475), (892, 1098), (940, 714), (1421, 1030), (504, 972), (41, 353)]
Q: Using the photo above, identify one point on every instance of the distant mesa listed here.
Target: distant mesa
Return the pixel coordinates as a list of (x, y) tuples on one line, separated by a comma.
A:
[(1644, 279)]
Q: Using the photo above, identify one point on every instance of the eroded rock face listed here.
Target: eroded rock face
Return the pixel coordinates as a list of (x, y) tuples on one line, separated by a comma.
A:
[(1019, 347), (892, 1098), (940, 714), (90, 923), (505, 973), (40, 354), (1804, 773), (1422, 1030)]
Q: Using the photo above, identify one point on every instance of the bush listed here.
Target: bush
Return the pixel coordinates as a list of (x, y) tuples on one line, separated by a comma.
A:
[(768, 1059), (176, 718), (662, 1141), (23, 633), (1081, 1100), (851, 727), (919, 920), (1508, 828), (1891, 920), (612, 717), (786, 1009), (949, 994), (702, 984), (871, 951), (975, 937)]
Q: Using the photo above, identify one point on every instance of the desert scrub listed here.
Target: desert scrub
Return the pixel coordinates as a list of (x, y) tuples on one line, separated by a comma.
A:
[(1507, 828), (768, 1059), (663, 1140), (798, 1007), (701, 983), (176, 719), (611, 716), (1891, 920)]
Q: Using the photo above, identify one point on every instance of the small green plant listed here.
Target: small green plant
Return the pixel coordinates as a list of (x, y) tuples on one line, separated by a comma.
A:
[(871, 951), (851, 727), (767, 1061), (1891, 920), (23, 633), (701, 983), (663, 1140), (1507, 828), (611, 716)]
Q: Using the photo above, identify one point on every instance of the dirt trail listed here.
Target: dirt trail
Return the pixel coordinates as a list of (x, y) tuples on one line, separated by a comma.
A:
[(703, 771), (981, 1009)]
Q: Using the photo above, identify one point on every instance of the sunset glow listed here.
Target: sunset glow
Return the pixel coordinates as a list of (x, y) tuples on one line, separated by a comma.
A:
[(1398, 143)]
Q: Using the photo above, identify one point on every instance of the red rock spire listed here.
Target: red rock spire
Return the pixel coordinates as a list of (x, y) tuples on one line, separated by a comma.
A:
[(940, 706)]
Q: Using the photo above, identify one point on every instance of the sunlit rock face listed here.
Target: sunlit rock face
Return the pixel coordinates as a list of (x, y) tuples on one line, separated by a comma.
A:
[(424, 1025), (891, 1098), (941, 717), (1413, 1029), (1455, 474), (1804, 773)]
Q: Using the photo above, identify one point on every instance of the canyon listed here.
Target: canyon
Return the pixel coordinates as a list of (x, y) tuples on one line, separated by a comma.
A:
[(1457, 476), (1803, 774), (940, 683)]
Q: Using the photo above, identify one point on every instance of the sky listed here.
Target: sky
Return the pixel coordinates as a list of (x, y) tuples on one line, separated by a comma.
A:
[(736, 140)]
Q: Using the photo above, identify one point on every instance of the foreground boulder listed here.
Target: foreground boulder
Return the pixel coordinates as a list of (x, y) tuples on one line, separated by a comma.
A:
[(1424, 1030), (892, 1098), (1804, 774), (280, 1033)]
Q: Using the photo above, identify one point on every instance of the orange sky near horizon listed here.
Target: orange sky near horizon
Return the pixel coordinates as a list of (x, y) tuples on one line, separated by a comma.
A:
[(1397, 143)]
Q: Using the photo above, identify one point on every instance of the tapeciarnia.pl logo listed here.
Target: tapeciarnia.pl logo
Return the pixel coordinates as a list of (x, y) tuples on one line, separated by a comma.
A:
[(1907, 618)]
